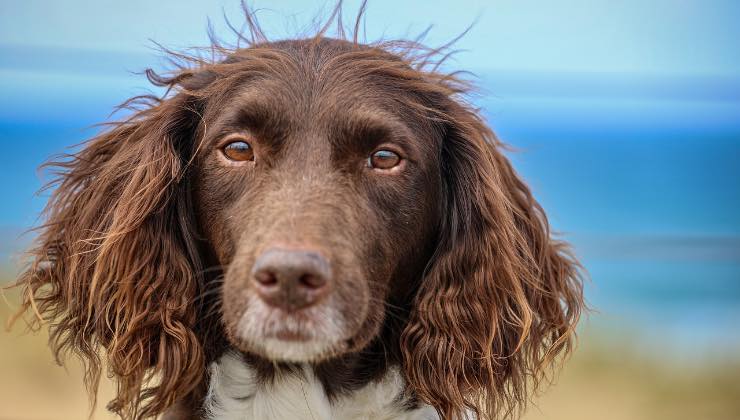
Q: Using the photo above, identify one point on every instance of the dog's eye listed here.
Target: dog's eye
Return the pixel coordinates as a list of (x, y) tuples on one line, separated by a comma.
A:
[(383, 159), (239, 151)]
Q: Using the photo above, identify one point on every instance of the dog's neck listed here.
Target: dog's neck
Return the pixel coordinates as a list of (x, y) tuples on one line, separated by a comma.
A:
[(242, 389)]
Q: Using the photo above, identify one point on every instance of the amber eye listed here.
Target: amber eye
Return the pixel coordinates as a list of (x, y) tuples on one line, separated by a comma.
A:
[(383, 159), (239, 151)]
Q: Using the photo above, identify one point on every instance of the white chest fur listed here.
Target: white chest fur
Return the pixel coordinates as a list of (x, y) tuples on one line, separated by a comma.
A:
[(234, 394)]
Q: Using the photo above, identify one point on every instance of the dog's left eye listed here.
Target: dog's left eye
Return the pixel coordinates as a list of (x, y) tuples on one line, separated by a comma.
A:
[(239, 151), (384, 160)]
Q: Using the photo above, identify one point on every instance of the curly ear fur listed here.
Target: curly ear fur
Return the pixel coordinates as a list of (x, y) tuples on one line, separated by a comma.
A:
[(500, 298), (115, 268)]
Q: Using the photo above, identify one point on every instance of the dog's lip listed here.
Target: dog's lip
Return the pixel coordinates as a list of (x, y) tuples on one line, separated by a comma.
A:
[(290, 335)]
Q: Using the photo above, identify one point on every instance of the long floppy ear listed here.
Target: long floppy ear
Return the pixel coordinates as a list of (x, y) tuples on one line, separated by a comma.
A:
[(115, 266), (500, 298)]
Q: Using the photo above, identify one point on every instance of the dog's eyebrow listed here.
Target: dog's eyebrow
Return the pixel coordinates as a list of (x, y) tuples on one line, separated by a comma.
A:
[(366, 129), (256, 112)]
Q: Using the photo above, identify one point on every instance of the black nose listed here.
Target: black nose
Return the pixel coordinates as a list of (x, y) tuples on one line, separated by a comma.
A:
[(291, 279)]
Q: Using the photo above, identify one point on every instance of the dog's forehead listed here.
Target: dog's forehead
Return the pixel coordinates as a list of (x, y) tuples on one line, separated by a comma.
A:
[(311, 95), (277, 108)]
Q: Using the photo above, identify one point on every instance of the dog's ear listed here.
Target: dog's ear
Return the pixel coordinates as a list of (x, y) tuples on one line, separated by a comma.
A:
[(500, 298), (115, 268)]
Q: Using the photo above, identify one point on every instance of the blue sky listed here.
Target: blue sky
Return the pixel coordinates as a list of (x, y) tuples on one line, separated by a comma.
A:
[(656, 36)]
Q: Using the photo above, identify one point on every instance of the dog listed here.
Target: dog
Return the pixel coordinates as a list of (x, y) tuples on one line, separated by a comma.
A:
[(315, 228)]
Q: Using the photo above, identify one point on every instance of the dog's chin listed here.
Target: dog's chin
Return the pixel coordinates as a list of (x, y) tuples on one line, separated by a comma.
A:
[(311, 351)]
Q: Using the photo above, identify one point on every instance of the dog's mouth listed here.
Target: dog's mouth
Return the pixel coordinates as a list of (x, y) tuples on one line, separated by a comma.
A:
[(311, 334), (291, 336), (296, 327)]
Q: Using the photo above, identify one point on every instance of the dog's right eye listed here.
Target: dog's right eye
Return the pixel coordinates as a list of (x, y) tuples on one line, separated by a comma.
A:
[(239, 151)]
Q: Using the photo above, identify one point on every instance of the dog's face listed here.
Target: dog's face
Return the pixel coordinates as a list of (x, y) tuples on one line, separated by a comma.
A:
[(318, 191)]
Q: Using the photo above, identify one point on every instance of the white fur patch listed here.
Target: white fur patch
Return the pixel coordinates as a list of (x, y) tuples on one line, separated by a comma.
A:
[(235, 395), (260, 322)]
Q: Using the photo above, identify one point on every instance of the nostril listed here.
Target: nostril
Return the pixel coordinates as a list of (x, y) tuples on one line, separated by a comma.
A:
[(266, 278), (312, 281)]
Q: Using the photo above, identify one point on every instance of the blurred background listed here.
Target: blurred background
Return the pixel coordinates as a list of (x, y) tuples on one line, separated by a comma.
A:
[(625, 117)]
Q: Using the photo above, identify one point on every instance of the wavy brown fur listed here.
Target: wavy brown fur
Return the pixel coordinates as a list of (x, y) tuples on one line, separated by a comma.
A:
[(113, 268), (116, 269), (501, 298)]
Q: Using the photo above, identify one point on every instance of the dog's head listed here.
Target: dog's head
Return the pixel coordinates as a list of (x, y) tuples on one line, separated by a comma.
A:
[(318, 187), (302, 199)]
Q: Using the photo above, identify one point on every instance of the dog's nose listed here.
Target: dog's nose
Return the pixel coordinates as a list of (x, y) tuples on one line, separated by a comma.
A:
[(291, 279)]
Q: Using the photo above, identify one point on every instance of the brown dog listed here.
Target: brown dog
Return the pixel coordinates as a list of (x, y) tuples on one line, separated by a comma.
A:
[(325, 223)]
